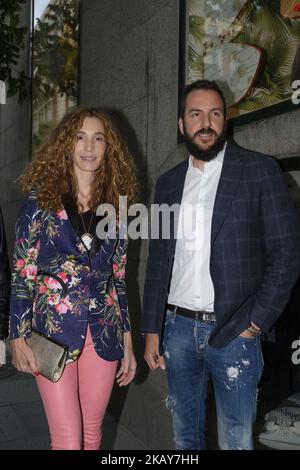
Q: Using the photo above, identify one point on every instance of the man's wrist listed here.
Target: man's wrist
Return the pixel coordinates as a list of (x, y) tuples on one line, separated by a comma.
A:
[(254, 331)]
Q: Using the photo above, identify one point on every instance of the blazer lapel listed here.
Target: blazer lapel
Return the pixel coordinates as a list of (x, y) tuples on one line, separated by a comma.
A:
[(229, 180), (176, 183), (175, 197), (97, 242), (72, 213)]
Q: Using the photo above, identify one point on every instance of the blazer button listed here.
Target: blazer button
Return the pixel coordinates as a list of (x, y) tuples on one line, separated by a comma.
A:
[(86, 269)]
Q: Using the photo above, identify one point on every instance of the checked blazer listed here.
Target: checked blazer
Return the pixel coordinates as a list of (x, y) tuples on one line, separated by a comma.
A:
[(255, 246)]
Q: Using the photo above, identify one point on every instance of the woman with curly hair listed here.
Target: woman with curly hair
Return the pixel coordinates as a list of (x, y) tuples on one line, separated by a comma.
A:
[(67, 283)]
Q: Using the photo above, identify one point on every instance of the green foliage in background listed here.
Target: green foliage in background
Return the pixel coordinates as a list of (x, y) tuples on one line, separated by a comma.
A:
[(37, 139), (55, 51), (12, 38)]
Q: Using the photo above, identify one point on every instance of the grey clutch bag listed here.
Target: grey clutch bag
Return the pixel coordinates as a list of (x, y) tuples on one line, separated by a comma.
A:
[(50, 357)]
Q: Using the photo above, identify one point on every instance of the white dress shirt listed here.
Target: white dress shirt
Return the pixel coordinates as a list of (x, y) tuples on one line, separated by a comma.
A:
[(191, 284)]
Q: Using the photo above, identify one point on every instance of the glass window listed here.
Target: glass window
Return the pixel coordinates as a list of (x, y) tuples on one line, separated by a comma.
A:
[(54, 64)]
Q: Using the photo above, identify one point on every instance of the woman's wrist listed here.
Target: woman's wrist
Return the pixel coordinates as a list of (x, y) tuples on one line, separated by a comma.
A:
[(127, 339)]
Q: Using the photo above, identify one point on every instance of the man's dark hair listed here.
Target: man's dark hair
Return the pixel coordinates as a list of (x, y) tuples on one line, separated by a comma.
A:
[(201, 85)]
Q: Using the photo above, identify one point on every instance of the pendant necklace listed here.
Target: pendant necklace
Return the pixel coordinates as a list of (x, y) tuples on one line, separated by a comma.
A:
[(86, 237)]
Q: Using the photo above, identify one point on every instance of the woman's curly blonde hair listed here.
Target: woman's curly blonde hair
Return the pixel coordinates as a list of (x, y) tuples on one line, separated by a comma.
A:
[(52, 174)]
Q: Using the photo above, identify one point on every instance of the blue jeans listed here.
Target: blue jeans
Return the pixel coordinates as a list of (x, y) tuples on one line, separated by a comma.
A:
[(235, 370)]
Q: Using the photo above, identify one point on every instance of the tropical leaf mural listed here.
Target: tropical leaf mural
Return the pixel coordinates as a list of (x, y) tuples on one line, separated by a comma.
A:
[(290, 8), (249, 47)]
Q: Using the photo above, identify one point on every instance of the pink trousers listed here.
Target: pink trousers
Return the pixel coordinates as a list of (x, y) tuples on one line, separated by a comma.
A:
[(75, 405)]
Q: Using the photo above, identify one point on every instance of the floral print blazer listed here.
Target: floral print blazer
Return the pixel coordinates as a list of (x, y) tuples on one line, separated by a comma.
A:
[(58, 287)]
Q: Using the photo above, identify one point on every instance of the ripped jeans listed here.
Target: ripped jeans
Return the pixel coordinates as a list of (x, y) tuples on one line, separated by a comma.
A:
[(235, 370)]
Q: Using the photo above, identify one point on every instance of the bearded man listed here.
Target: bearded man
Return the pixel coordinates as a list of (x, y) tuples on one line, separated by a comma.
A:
[(222, 279)]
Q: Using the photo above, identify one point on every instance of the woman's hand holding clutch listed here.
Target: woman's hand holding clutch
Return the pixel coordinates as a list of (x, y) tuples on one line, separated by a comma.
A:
[(22, 356)]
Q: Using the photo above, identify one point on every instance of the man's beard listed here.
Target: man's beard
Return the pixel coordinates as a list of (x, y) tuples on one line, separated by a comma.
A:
[(211, 152)]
